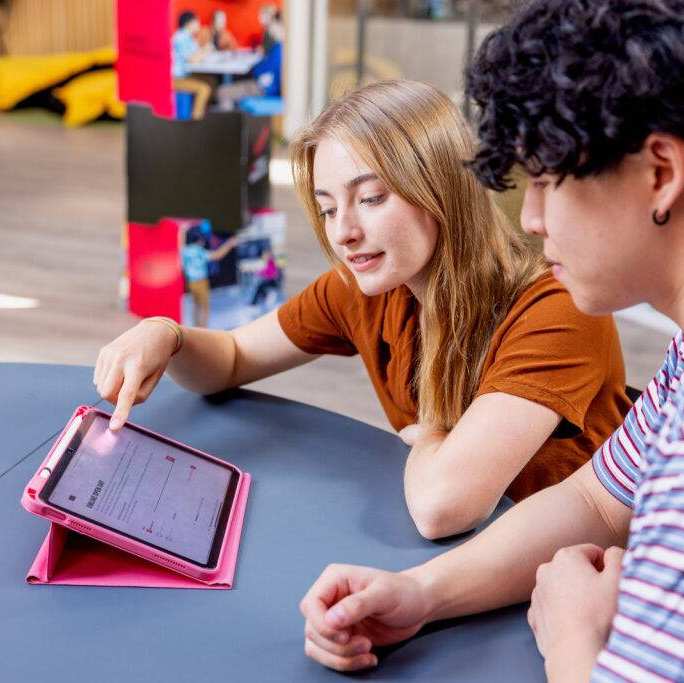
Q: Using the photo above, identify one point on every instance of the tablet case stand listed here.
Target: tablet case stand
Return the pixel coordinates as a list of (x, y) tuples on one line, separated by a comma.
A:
[(71, 559)]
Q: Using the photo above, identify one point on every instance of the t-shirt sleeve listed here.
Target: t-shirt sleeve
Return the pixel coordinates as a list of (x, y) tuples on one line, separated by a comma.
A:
[(318, 319), (646, 642), (617, 463), (554, 355)]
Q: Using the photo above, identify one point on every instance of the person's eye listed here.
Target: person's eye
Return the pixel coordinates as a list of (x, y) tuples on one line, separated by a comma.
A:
[(540, 184), (327, 213), (375, 199)]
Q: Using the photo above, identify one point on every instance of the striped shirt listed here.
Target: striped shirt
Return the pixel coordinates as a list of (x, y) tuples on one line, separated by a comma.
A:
[(642, 464)]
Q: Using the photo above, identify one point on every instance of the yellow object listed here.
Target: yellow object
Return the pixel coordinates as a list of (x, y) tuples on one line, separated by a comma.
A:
[(89, 96), (21, 76)]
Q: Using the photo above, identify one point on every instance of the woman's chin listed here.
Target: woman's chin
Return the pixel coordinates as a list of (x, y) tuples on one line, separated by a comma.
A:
[(373, 286)]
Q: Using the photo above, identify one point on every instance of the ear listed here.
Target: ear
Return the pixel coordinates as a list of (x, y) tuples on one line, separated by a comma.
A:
[(664, 154)]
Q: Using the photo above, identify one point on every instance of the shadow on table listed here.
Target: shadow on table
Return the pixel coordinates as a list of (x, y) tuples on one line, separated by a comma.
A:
[(375, 463), (419, 650)]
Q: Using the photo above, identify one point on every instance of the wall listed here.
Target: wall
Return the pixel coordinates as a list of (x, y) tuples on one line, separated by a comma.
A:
[(46, 26), (243, 15), (420, 50)]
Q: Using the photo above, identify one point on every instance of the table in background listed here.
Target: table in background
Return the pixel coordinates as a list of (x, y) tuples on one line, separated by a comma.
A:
[(226, 62), (326, 489)]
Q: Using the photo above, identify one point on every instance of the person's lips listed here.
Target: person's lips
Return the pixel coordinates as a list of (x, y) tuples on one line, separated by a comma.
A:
[(556, 269), (556, 266), (366, 261)]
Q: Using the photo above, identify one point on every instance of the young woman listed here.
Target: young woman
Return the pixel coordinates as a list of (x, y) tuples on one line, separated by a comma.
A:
[(478, 356)]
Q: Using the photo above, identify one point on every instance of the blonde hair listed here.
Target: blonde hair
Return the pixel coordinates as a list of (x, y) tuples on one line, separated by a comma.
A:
[(414, 138)]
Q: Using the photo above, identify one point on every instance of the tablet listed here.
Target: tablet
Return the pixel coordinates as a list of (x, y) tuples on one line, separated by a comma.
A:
[(140, 487)]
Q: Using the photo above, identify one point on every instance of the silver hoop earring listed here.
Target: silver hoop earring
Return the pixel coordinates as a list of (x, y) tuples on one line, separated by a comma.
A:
[(660, 220)]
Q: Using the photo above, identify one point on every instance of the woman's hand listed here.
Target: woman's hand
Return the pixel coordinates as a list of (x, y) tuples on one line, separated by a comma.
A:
[(411, 435), (129, 368), (349, 610)]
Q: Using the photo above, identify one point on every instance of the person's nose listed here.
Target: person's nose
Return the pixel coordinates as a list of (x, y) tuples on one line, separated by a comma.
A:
[(532, 212), (346, 229)]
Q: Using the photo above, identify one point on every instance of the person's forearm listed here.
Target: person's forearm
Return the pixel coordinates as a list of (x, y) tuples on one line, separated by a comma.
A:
[(206, 362), (573, 660), (198, 55), (434, 497), (417, 473), (498, 566)]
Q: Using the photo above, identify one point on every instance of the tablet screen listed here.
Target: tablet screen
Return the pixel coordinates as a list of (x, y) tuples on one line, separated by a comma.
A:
[(145, 488)]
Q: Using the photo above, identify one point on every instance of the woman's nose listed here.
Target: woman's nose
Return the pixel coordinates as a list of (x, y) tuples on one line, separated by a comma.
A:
[(347, 229)]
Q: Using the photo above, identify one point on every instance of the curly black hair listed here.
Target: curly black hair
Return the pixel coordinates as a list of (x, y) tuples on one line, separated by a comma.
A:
[(569, 87)]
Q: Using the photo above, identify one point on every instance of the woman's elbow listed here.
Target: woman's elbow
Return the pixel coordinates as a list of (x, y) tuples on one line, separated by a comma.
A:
[(437, 519), (432, 527)]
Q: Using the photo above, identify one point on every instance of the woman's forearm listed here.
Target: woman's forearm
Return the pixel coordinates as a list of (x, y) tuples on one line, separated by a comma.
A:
[(206, 362), (213, 360), (454, 480), (438, 502), (432, 492)]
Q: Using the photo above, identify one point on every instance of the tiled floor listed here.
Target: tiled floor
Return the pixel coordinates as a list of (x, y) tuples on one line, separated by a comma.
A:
[(62, 207)]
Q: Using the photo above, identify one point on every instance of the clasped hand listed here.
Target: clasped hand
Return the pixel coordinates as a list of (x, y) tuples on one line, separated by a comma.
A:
[(350, 610), (573, 605)]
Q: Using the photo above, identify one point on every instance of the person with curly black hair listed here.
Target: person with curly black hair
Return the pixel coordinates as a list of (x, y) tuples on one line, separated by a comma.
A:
[(587, 97), (573, 86)]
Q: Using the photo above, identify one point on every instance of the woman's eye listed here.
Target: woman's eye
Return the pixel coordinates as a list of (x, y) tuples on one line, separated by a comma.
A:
[(540, 184), (375, 199), (327, 213)]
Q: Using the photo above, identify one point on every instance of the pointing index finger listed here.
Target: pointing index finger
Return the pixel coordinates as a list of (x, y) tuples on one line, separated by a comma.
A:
[(125, 401)]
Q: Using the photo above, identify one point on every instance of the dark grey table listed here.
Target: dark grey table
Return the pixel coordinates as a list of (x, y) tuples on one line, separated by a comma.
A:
[(326, 489)]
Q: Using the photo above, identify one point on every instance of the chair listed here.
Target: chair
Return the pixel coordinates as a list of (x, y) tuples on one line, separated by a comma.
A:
[(184, 102), (262, 106), (633, 393)]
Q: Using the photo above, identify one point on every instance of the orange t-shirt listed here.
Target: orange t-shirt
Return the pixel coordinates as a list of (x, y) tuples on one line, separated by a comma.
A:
[(545, 350)]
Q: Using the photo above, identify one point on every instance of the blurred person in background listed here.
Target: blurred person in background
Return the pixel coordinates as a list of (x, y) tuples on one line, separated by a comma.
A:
[(186, 51), (222, 38), (269, 15), (265, 77)]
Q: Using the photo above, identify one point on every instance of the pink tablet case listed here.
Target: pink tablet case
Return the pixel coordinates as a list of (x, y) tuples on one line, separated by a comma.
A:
[(71, 559)]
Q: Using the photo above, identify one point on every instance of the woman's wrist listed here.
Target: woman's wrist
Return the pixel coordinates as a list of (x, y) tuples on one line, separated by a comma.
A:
[(172, 325)]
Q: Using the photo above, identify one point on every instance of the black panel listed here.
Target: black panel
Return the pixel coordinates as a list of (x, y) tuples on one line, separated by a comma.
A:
[(258, 158), (187, 169)]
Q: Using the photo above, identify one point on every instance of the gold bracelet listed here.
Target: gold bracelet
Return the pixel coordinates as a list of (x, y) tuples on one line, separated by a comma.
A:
[(171, 324)]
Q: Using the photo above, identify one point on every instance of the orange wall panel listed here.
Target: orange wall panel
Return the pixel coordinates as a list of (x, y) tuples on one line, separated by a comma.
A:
[(243, 15)]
